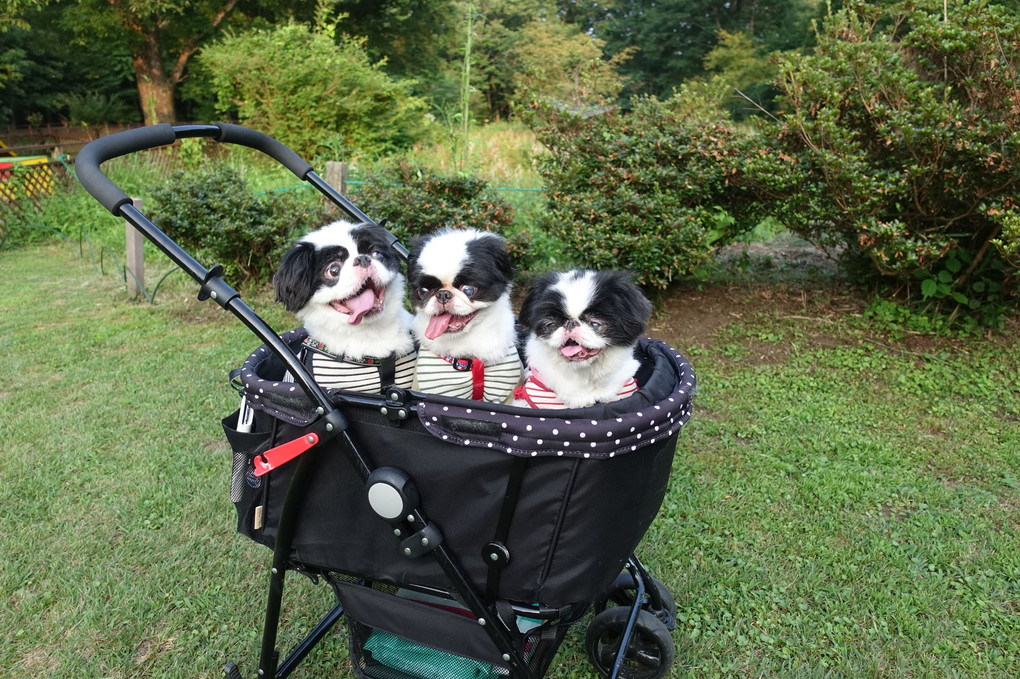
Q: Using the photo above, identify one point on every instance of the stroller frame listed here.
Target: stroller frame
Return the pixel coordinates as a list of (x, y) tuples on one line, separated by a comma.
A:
[(417, 535)]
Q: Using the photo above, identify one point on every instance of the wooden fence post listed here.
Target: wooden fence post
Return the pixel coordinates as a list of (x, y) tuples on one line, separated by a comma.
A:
[(135, 260), (336, 176)]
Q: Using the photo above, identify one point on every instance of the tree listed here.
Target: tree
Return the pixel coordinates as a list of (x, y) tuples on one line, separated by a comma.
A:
[(748, 72), (417, 39), (559, 63), (44, 76), (496, 42), (161, 36), (413, 37), (673, 37)]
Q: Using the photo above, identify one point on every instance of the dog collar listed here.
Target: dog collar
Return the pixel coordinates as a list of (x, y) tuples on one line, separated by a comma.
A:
[(319, 347), (477, 369)]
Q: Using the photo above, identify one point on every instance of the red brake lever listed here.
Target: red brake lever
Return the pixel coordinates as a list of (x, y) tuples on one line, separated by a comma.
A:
[(283, 453)]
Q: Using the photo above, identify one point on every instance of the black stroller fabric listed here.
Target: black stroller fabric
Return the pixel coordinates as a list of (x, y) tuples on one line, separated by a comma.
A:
[(593, 480)]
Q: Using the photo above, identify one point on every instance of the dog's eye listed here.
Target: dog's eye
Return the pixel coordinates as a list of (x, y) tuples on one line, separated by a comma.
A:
[(468, 290), (332, 271), (595, 325), (422, 293), (377, 254), (547, 327)]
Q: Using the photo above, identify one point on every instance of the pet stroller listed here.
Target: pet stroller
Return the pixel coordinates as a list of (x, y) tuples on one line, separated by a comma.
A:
[(462, 539)]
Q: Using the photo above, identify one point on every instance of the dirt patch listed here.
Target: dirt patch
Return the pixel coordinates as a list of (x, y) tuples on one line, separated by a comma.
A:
[(692, 317)]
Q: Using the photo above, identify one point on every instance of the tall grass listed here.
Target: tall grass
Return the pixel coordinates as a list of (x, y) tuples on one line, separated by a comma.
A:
[(504, 154)]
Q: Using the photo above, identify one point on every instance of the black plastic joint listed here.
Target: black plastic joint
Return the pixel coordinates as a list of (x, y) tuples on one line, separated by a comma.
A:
[(216, 289), (396, 407), (496, 554), (422, 542), (332, 424)]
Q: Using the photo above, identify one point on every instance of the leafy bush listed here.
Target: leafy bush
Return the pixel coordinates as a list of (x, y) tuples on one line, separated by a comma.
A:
[(640, 191), (316, 97), (416, 201), (215, 216), (896, 145)]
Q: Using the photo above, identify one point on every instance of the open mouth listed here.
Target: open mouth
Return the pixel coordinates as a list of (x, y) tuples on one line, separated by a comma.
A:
[(365, 302), (446, 323), (572, 351)]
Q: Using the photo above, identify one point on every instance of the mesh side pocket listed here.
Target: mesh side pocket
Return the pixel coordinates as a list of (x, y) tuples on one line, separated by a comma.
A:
[(237, 477), (247, 491)]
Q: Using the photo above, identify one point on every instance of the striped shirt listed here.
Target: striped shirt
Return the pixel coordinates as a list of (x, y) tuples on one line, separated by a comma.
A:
[(469, 378), (537, 395), (332, 371)]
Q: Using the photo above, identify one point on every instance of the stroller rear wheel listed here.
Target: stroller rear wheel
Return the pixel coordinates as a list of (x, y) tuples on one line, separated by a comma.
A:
[(649, 653), (622, 593)]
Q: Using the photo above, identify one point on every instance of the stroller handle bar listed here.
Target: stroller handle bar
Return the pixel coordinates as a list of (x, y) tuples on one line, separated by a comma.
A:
[(99, 151), (96, 152), (119, 204)]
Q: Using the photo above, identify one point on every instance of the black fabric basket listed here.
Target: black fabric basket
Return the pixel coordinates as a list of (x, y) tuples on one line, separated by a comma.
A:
[(593, 481), (399, 637)]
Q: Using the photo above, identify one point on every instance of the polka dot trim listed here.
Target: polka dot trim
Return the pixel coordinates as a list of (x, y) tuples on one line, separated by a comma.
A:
[(515, 431), (532, 435)]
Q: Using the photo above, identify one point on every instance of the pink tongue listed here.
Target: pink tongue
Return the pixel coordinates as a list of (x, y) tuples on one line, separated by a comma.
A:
[(571, 350), (360, 305), (438, 325)]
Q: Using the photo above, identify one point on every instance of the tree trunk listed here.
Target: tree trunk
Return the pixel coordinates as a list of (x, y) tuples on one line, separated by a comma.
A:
[(155, 88)]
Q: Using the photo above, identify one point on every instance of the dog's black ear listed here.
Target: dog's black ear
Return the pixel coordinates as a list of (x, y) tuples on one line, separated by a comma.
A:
[(295, 280), (627, 304), (490, 252), (416, 244), (536, 302)]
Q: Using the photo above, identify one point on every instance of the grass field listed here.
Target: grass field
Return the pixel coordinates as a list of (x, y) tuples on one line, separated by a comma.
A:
[(842, 504)]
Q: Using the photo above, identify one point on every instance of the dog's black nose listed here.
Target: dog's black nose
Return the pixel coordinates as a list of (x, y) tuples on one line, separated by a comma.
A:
[(570, 325), (362, 260), (444, 296)]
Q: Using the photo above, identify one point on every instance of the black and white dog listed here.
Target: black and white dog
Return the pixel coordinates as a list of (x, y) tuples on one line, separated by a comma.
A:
[(581, 330), (460, 281), (344, 282)]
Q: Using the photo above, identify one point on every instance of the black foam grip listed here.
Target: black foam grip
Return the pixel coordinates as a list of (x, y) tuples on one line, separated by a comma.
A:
[(235, 134), (88, 160)]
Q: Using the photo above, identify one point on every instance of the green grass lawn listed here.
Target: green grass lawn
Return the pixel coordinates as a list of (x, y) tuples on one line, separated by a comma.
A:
[(847, 507)]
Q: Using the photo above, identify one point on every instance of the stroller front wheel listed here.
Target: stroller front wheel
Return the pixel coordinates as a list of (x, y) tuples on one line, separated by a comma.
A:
[(649, 652)]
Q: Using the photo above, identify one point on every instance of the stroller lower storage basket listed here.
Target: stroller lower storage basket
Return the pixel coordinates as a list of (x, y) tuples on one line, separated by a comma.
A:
[(564, 496), (392, 634)]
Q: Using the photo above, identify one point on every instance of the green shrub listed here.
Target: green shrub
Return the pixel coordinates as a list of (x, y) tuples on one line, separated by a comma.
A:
[(642, 191), (315, 96), (416, 201), (897, 146), (216, 217)]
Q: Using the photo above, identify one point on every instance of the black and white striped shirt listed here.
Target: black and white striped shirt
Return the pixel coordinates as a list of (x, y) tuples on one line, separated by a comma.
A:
[(463, 378), (368, 374)]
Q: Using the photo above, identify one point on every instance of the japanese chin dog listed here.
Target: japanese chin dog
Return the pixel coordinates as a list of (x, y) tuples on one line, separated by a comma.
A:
[(581, 329), (460, 282), (344, 282)]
